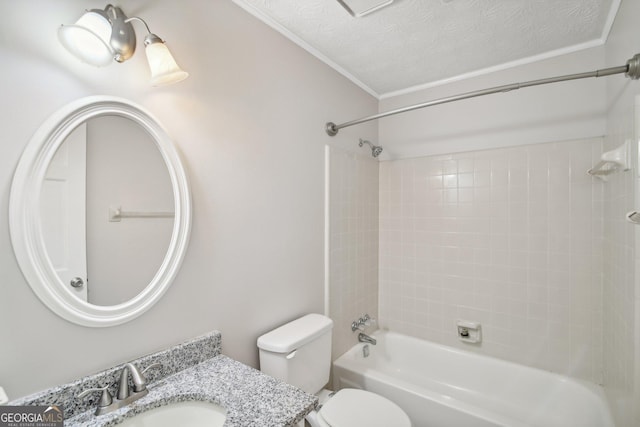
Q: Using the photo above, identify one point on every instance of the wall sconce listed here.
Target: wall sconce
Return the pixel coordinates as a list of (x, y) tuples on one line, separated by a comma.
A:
[(100, 36)]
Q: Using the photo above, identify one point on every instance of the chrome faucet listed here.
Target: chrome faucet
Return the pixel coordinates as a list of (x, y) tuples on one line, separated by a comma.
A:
[(124, 395), (362, 337), (362, 323)]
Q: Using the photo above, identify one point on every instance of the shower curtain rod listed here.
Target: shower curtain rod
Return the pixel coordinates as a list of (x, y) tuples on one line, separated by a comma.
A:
[(631, 70)]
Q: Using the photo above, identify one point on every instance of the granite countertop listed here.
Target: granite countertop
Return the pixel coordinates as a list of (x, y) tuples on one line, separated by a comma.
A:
[(250, 397), (194, 370)]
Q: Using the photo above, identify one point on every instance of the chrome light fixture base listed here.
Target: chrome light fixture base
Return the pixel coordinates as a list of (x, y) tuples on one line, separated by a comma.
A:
[(123, 37)]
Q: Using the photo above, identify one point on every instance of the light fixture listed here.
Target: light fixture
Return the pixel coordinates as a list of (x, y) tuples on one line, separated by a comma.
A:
[(100, 36)]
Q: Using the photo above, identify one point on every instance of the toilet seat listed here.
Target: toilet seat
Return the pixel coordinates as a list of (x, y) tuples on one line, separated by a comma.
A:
[(351, 407)]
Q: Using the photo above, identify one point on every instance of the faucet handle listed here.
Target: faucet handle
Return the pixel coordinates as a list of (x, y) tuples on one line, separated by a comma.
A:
[(368, 320), (105, 397), (362, 323), (153, 365), (356, 326)]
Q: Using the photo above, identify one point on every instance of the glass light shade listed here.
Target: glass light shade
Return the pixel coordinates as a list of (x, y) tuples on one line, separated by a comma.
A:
[(164, 69), (88, 39)]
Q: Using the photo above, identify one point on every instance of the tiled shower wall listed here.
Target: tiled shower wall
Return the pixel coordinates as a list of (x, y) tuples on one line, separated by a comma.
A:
[(510, 238), (620, 298), (353, 234)]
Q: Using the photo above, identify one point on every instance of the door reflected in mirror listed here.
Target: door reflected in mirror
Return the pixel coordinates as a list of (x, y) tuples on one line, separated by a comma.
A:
[(107, 163)]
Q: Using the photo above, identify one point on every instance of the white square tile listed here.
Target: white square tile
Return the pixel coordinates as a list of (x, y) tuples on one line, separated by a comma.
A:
[(507, 236)]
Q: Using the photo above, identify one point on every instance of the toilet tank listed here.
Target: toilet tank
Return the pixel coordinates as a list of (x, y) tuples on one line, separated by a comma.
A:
[(299, 352)]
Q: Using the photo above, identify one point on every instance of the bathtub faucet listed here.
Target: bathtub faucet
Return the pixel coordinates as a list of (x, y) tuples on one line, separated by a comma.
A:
[(366, 338), (362, 323)]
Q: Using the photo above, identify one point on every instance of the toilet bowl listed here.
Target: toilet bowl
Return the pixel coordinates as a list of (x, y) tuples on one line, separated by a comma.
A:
[(299, 353), (351, 407)]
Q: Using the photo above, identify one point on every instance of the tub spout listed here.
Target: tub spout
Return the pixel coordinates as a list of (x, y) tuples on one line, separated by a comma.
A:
[(366, 338)]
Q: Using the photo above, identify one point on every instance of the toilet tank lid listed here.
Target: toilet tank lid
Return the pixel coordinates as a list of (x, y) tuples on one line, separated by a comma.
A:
[(295, 334)]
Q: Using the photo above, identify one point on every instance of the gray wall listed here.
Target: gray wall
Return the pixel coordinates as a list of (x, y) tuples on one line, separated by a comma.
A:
[(249, 125)]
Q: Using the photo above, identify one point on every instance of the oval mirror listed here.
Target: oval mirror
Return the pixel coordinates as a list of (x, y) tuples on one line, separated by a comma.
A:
[(100, 211)]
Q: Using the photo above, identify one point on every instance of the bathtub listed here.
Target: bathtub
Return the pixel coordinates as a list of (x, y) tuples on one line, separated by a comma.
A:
[(439, 386)]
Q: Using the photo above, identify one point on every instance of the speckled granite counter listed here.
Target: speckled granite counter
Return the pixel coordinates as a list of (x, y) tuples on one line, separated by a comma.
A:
[(250, 397), (194, 370)]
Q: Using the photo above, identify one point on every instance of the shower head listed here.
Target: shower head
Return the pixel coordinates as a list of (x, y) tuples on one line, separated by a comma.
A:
[(375, 149)]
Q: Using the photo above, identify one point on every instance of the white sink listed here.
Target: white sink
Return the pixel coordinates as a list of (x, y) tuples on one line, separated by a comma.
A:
[(183, 414)]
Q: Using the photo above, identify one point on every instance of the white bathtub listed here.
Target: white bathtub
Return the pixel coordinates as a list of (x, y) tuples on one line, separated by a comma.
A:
[(439, 386)]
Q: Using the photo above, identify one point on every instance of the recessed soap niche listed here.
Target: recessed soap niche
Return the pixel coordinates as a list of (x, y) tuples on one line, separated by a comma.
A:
[(470, 332)]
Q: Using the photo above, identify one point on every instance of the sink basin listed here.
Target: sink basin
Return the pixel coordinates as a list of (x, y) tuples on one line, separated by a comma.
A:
[(183, 414)]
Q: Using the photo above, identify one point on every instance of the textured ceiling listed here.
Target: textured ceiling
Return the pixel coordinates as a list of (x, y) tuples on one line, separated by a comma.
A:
[(416, 43)]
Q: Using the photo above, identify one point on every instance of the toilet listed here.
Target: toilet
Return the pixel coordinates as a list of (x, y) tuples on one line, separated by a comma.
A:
[(299, 353)]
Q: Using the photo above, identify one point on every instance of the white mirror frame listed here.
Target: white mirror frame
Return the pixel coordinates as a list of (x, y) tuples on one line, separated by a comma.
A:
[(25, 224)]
